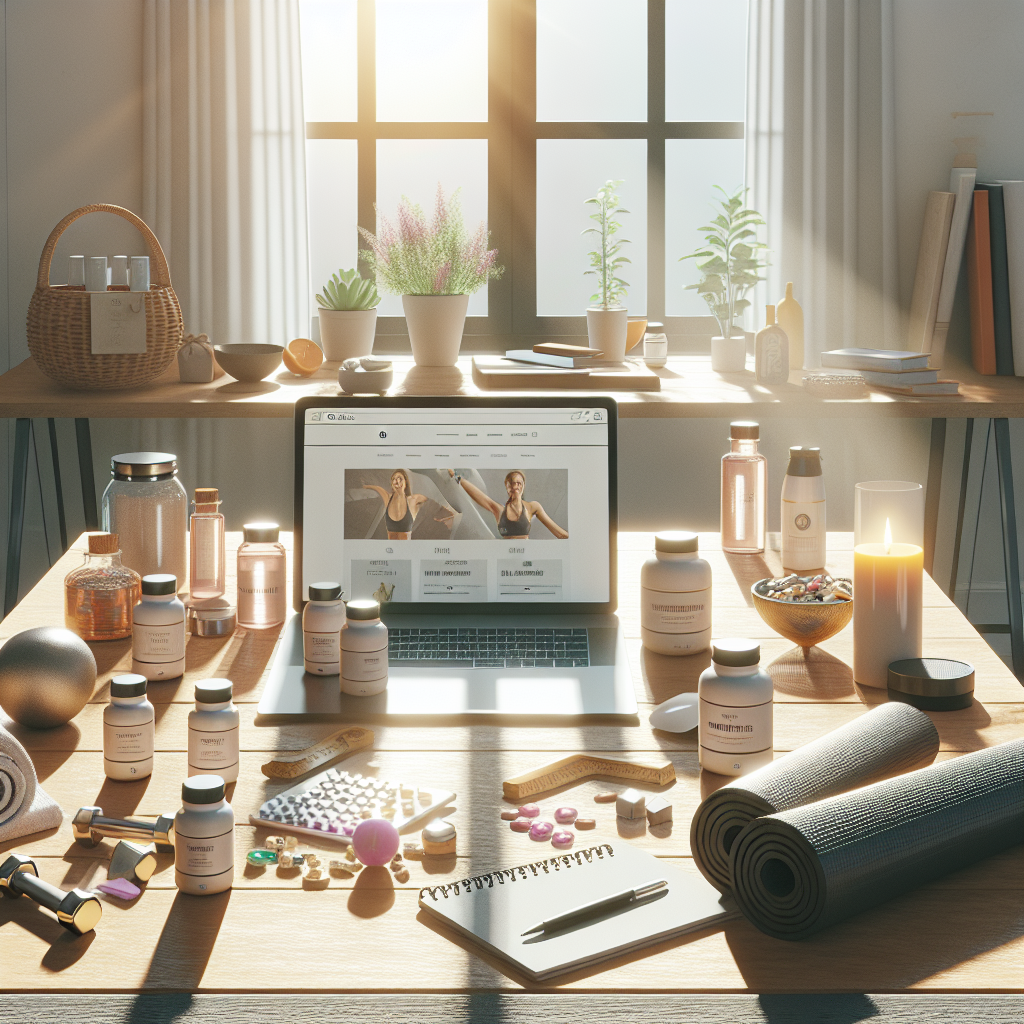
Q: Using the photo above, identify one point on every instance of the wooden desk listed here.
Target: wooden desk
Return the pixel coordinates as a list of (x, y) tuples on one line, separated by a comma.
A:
[(962, 934)]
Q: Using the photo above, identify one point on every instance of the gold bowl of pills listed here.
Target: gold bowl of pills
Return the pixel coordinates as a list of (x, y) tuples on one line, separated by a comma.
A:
[(804, 609)]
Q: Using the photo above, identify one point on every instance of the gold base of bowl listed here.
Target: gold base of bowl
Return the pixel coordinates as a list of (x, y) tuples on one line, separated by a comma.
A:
[(803, 623)]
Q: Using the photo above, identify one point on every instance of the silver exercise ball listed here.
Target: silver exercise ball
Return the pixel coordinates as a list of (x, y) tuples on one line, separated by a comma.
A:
[(46, 676)]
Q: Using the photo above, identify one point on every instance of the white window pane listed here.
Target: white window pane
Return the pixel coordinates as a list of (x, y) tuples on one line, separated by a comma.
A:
[(413, 168), (591, 60), (331, 195), (569, 172), (693, 167), (431, 60), (329, 73), (701, 84)]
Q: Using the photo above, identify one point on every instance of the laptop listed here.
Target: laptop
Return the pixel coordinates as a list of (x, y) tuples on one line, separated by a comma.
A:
[(486, 528)]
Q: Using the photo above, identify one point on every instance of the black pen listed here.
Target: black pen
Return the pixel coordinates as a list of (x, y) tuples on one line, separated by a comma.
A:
[(598, 907)]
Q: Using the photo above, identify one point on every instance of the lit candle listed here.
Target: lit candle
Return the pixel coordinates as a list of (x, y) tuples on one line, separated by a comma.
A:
[(887, 596)]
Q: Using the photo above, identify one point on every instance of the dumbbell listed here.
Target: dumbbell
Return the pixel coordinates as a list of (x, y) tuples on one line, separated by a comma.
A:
[(76, 910), (133, 861), (90, 826)]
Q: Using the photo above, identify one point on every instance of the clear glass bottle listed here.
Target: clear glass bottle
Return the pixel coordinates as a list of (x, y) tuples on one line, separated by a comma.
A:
[(99, 595), (206, 532), (744, 491), (262, 577)]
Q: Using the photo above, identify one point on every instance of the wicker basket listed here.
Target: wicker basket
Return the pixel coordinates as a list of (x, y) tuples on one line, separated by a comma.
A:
[(59, 321)]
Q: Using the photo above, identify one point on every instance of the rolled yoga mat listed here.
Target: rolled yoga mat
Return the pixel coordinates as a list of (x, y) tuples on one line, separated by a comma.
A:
[(24, 806), (797, 872), (888, 740)]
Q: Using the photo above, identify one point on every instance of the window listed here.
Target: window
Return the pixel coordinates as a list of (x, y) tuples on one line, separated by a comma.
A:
[(529, 106)]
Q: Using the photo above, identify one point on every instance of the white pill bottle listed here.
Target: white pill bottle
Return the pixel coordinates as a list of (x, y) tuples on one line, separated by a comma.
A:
[(204, 837), (736, 726), (322, 619), (128, 730), (364, 650), (213, 731), (675, 596), (803, 512), (158, 629)]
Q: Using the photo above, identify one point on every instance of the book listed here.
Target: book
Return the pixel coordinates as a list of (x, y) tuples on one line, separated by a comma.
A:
[(979, 287), (940, 387), (961, 184), (499, 373), (1002, 325), (931, 256), (496, 908), (900, 378), (555, 348), (1013, 208), (527, 355), (874, 359)]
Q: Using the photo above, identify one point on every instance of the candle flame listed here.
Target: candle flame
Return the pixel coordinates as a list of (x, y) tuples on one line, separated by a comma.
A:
[(888, 537)]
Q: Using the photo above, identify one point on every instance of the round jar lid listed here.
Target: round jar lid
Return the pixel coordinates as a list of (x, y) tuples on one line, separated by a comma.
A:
[(655, 327), (214, 617), (203, 789), (735, 652), (131, 684), (675, 541), (931, 677), (261, 533), (103, 544), (213, 691), (159, 583), (324, 591), (363, 609), (143, 464), (744, 430)]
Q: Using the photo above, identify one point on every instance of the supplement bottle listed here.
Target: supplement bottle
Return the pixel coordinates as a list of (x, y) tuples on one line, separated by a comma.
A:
[(735, 728), (128, 730), (262, 583), (675, 596), (322, 619), (213, 731), (744, 491), (204, 844), (158, 629), (803, 512), (364, 650)]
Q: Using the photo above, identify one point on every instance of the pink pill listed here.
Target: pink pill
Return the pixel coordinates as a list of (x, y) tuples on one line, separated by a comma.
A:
[(540, 831), (520, 825), (566, 815), (375, 841), (529, 810), (562, 838)]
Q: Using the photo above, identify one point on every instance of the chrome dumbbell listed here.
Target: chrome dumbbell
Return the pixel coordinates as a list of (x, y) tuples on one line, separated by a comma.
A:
[(76, 910), (90, 826), (133, 861)]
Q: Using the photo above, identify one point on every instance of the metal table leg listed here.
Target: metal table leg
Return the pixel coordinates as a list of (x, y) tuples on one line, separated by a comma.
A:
[(1010, 559), (84, 437), (16, 526), (933, 491), (965, 473), (58, 484)]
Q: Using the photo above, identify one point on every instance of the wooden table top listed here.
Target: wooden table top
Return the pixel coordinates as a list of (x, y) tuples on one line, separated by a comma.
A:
[(961, 934), (689, 389)]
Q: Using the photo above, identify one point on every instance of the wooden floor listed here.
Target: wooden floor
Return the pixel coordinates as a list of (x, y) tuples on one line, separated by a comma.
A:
[(962, 934)]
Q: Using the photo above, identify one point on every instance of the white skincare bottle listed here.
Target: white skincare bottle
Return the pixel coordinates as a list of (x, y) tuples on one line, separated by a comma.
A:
[(262, 577), (364, 650), (322, 620), (96, 274), (803, 512), (675, 596), (213, 731), (204, 843), (735, 728), (158, 629), (128, 730)]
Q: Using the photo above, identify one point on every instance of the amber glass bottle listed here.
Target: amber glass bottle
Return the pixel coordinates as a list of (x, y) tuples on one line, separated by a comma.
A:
[(100, 594)]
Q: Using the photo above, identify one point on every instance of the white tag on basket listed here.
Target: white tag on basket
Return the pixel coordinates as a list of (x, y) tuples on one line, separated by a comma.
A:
[(118, 323)]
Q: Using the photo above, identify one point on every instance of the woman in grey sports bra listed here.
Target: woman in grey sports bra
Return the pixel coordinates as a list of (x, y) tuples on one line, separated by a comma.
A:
[(401, 506), (515, 517)]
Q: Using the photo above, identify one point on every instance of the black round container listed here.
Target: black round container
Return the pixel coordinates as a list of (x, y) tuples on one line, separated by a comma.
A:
[(932, 684)]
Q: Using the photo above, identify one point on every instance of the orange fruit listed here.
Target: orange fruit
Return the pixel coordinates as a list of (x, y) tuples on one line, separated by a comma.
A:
[(302, 356)]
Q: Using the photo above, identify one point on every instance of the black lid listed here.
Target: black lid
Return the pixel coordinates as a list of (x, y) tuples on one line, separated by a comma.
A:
[(675, 541), (324, 591), (213, 691), (363, 609), (744, 430), (735, 652), (131, 684), (160, 583), (931, 677), (203, 789), (145, 465), (261, 533), (804, 461)]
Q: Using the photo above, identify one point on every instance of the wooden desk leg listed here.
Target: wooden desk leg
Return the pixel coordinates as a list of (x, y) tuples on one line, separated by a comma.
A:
[(933, 490), (84, 437), (1010, 559), (16, 525), (58, 484)]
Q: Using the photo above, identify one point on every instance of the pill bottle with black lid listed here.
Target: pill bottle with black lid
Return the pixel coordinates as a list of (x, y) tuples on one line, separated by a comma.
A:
[(213, 730), (204, 837), (128, 730)]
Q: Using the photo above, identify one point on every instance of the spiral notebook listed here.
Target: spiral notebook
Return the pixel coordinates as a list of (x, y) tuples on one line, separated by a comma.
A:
[(494, 909)]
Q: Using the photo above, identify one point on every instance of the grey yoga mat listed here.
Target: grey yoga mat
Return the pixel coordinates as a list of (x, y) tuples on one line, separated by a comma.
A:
[(797, 872), (888, 740)]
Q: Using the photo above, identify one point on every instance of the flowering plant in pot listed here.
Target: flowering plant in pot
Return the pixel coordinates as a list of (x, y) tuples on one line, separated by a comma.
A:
[(435, 266), (730, 269), (348, 316), (606, 319)]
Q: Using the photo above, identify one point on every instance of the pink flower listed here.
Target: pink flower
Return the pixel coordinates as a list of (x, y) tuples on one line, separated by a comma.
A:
[(441, 278)]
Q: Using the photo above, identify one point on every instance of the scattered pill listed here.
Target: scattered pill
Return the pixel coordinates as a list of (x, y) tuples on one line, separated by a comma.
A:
[(540, 831), (520, 825), (585, 823), (562, 838), (509, 815), (566, 815), (119, 887), (606, 797), (529, 811)]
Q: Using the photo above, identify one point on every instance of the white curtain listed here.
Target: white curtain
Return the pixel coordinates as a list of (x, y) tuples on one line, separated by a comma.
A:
[(821, 165)]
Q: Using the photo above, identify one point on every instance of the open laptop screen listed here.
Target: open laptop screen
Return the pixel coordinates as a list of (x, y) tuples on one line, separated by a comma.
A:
[(469, 503)]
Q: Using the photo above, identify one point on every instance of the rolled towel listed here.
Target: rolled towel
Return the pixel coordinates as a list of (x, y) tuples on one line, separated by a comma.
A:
[(888, 740), (25, 807), (797, 872)]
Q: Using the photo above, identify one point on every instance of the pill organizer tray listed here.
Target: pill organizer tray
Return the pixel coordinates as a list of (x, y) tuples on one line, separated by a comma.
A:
[(327, 805)]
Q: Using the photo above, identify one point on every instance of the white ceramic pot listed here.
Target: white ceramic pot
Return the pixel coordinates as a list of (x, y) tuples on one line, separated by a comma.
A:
[(729, 355), (435, 325), (347, 333), (606, 329)]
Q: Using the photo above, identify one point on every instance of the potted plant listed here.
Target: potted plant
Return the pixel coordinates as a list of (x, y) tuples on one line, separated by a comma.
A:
[(606, 321), (348, 316), (730, 270), (435, 267)]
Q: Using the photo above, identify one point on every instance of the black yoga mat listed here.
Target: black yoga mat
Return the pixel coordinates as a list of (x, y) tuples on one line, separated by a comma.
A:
[(886, 741), (797, 872)]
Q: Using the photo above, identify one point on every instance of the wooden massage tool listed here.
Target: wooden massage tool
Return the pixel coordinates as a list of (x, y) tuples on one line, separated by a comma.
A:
[(335, 747), (580, 768)]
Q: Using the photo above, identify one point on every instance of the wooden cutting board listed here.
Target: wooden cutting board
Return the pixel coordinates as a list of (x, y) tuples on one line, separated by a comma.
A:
[(498, 372)]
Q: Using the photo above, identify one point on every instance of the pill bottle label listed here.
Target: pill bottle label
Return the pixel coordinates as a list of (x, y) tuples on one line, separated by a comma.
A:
[(158, 643), (735, 730), (212, 750), (128, 742), (322, 648), (362, 666), (686, 612), (803, 534), (207, 856)]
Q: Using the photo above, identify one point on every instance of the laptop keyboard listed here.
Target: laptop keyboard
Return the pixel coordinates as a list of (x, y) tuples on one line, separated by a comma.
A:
[(471, 647)]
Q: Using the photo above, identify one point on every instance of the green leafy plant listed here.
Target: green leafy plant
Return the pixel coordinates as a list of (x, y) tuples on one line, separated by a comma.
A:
[(732, 259), (606, 261), (347, 290)]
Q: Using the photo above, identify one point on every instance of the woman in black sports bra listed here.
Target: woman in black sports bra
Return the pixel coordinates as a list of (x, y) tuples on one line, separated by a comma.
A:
[(515, 517), (401, 506)]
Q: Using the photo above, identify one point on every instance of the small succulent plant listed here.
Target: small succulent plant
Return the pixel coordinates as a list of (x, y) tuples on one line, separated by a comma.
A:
[(347, 290)]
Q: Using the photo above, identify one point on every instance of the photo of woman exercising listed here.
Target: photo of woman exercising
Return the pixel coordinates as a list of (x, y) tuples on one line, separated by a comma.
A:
[(515, 517), (401, 506)]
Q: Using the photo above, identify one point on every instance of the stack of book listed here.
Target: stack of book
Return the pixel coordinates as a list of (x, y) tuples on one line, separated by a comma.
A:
[(902, 373), (557, 356)]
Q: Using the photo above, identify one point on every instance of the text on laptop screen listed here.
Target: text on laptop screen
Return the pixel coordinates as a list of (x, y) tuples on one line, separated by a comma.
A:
[(476, 505)]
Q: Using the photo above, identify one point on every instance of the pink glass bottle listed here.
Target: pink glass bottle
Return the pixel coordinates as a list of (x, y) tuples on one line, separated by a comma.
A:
[(744, 491), (206, 562), (262, 577)]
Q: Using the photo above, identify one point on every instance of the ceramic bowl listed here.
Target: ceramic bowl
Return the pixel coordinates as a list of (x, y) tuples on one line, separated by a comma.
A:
[(803, 624), (249, 362)]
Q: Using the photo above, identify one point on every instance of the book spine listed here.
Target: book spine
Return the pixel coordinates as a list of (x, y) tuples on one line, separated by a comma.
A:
[(1013, 206), (961, 184), (931, 255), (979, 287), (1002, 323)]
